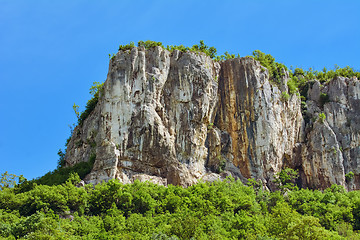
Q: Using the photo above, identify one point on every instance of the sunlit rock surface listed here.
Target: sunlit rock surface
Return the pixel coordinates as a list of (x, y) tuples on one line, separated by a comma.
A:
[(177, 118)]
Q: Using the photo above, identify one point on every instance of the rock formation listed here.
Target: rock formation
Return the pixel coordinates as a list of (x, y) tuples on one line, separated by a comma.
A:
[(332, 146), (178, 117)]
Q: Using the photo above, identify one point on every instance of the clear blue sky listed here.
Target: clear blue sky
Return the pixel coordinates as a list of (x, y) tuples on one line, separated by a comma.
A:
[(52, 51)]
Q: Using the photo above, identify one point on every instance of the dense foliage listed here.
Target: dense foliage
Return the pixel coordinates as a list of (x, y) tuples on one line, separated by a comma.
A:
[(219, 210), (61, 174)]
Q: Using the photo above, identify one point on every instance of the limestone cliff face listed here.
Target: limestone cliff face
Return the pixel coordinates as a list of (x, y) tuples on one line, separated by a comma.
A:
[(332, 146), (175, 118), (262, 126), (151, 122)]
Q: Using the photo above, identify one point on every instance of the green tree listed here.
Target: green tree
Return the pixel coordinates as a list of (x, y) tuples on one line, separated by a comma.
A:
[(76, 110), (95, 91), (8, 180), (285, 179)]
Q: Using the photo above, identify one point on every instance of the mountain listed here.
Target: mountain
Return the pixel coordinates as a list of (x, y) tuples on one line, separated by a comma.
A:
[(177, 117)]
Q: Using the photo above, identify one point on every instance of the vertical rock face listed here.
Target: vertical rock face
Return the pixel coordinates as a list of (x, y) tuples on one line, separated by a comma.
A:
[(175, 118), (152, 118), (332, 148), (262, 126)]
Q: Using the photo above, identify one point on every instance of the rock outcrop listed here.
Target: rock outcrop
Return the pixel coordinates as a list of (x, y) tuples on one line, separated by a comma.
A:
[(332, 144), (178, 117)]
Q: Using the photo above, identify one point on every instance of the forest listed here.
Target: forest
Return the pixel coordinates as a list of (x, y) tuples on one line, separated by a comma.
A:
[(225, 209)]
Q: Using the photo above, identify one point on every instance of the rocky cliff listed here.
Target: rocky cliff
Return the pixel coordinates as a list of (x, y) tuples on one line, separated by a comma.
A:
[(178, 117)]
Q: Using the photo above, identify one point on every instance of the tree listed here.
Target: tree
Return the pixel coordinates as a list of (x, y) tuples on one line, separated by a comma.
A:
[(76, 110), (285, 179), (61, 161), (8, 180)]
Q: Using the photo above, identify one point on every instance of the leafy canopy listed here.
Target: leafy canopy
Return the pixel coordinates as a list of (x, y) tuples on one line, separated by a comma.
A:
[(218, 210)]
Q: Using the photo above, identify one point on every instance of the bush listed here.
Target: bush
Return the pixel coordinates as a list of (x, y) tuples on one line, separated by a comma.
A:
[(61, 161), (275, 69), (209, 51), (285, 96), (60, 175), (95, 91), (349, 176), (321, 117), (285, 179), (126, 47), (149, 44), (292, 84)]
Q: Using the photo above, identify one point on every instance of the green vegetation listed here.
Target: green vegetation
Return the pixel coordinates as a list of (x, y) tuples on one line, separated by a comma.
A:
[(285, 96), (210, 51), (126, 47), (276, 70), (8, 180), (226, 56), (349, 176), (52, 207), (95, 91), (322, 117), (61, 161), (149, 44), (219, 210), (299, 79), (286, 178), (61, 174), (325, 75)]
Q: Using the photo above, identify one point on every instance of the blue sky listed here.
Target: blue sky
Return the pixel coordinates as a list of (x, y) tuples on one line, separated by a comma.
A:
[(52, 51)]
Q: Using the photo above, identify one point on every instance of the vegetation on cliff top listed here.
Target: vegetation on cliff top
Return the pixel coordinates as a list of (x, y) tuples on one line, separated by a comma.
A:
[(220, 210), (201, 47), (299, 78)]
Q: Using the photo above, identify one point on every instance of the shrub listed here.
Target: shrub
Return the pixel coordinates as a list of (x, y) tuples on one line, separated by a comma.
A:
[(149, 44), (285, 96), (321, 117), (209, 51), (226, 56), (7, 180), (292, 84), (61, 161), (285, 179), (126, 47), (275, 69), (95, 91), (60, 175), (349, 176)]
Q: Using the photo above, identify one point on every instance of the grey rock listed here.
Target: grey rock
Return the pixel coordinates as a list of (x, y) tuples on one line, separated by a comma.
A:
[(180, 117)]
